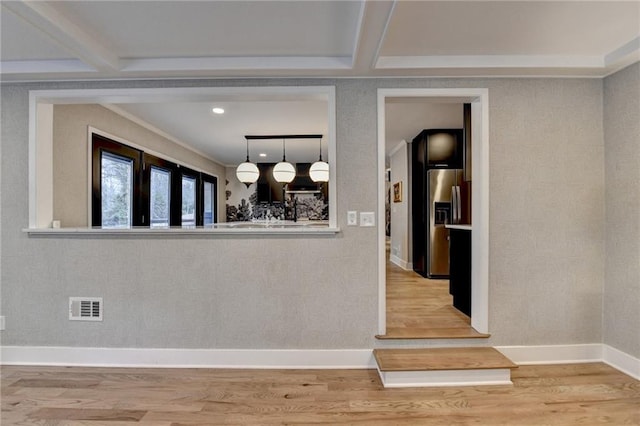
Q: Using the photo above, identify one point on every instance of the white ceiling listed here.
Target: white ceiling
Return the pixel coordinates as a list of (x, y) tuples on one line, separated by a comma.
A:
[(221, 137), (71, 40), (153, 39), (406, 118)]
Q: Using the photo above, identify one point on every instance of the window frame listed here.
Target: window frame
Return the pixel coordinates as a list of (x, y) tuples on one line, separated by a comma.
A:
[(100, 144), (207, 178), (184, 171), (143, 162), (148, 162)]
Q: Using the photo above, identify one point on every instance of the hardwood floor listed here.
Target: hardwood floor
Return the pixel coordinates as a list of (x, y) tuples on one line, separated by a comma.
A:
[(418, 307), (578, 394)]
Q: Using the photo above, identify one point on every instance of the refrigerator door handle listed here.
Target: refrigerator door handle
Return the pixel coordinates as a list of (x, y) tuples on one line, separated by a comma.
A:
[(454, 205), (458, 204)]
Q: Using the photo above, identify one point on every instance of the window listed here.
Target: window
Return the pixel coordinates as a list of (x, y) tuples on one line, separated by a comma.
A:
[(158, 180), (188, 212), (135, 188), (116, 180), (209, 202), (159, 197), (117, 191)]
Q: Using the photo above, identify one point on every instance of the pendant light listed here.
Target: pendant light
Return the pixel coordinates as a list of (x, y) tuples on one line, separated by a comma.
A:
[(247, 172), (284, 172), (319, 171)]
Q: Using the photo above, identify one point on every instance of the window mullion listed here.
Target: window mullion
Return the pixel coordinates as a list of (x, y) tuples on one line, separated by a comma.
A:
[(176, 197), (199, 203), (138, 210)]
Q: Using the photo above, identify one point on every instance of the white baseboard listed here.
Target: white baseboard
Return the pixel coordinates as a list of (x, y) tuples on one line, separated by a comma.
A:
[(570, 354), (552, 354), (183, 358), (289, 358), (407, 266), (621, 361)]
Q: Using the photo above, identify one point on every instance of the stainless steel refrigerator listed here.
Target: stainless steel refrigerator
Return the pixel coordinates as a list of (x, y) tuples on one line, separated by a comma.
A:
[(445, 205)]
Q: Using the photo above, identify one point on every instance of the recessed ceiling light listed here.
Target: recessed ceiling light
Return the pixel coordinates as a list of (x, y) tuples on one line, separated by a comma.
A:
[(262, 154), (218, 110)]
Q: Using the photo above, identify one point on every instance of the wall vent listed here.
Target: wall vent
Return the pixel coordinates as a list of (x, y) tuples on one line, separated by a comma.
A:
[(85, 308)]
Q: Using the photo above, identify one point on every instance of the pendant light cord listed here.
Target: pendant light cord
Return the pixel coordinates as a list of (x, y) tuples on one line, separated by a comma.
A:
[(284, 156), (320, 149), (247, 150)]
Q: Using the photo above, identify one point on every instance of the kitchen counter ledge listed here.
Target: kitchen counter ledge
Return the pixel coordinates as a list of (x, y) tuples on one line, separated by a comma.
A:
[(464, 227), (300, 231)]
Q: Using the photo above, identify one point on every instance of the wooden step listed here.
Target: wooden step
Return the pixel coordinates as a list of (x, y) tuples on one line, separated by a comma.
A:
[(431, 333), (470, 366)]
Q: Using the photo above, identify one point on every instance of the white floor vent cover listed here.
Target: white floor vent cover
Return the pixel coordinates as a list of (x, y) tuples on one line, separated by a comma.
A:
[(85, 308)]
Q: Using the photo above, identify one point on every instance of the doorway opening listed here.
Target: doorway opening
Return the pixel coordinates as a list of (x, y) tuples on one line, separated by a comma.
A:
[(387, 190)]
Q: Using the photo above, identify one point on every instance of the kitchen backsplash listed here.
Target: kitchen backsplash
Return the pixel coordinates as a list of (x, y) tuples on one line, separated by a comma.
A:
[(297, 206)]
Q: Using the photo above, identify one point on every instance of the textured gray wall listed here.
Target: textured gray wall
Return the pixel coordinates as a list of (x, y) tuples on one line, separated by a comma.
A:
[(546, 230), (622, 195)]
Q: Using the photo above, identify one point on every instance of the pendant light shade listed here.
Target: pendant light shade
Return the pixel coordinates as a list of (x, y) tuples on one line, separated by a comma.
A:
[(319, 171), (247, 172), (284, 172)]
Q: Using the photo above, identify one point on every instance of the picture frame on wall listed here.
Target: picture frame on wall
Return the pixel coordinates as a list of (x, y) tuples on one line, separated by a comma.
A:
[(397, 192)]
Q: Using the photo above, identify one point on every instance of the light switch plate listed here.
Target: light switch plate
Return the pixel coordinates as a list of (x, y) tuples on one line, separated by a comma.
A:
[(367, 219), (352, 218)]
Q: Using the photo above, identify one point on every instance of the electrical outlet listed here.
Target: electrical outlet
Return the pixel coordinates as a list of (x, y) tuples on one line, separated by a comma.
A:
[(352, 218), (367, 219)]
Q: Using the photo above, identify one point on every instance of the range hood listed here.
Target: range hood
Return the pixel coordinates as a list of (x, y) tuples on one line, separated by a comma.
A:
[(303, 184)]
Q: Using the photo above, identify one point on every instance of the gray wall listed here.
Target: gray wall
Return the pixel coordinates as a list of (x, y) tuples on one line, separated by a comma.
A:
[(622, 195), (546, 240)]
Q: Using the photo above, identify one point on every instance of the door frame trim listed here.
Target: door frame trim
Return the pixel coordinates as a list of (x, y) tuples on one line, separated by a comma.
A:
[(479, 99)]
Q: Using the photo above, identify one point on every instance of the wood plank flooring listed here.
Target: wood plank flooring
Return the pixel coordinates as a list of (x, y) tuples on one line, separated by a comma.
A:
[(422, 308), (578, 394)]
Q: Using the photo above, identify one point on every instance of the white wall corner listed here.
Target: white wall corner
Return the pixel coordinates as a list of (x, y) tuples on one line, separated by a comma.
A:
[(397, 148), (407, 266), (571, 354), (622, 361)]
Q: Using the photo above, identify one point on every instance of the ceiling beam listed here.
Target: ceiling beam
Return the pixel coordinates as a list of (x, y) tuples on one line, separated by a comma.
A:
[(46, 18), (372, 27), (250, 137), (230, 63), (489, 61)]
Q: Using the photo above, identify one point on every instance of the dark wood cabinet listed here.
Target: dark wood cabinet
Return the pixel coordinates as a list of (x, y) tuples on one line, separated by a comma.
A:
[(418, 204), (460, 269)]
